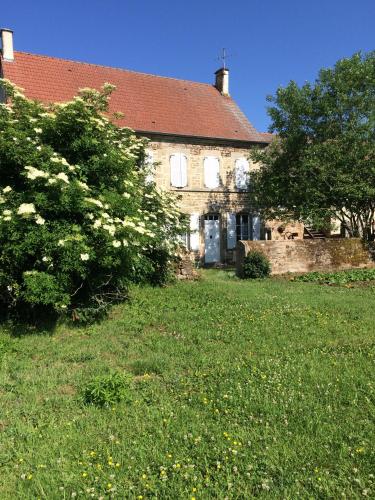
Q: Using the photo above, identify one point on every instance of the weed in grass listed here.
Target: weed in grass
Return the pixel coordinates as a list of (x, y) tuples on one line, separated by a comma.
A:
[(147, 367), (107, 390)]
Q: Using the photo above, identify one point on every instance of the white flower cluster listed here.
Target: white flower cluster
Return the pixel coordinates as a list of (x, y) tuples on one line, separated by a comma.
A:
[(33, 173), (26, 209)]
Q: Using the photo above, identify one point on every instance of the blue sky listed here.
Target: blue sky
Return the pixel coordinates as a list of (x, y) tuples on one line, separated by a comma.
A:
[(270, 42)]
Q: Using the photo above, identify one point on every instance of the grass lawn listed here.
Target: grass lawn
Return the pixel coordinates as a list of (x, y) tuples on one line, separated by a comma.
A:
[(239, 389)]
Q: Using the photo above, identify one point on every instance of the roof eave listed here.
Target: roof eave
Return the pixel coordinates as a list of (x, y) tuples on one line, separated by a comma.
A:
[(223, 140)]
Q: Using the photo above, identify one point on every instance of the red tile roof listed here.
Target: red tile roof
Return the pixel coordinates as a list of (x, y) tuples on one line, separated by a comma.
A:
[(267, 136), (149, 103)]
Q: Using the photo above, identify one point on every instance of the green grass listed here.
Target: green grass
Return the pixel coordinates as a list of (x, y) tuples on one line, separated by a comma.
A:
[(237, 389)]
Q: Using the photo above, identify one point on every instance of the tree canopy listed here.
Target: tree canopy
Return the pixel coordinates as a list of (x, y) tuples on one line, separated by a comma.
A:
[(321, 166)]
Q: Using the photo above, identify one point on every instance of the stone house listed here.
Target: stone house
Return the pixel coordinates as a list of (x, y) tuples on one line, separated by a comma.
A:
[(199, 141)]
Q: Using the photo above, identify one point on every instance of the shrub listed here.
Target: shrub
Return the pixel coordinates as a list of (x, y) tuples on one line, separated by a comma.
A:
[(337, 278), (256, 265), (107, 390), (79, 219)]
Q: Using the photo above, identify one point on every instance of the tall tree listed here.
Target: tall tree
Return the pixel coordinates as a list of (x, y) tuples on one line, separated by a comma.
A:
[(321, 165)]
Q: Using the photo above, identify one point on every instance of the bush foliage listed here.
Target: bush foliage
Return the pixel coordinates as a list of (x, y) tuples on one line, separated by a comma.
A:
[(337, 278), (256, 265), (79, 217)]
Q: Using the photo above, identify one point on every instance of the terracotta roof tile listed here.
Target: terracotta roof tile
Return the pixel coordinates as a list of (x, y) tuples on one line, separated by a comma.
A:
[(149, 103), (267, 136)]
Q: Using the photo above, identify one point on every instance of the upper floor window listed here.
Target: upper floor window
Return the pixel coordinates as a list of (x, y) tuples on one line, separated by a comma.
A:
[(211, 166), (178, 164), (242, 173)]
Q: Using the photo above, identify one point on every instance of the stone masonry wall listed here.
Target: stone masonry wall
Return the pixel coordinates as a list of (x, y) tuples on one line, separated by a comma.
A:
[(196, 198), (299, 256)]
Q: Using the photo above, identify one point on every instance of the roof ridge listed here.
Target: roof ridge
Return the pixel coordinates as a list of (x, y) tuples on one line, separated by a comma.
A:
[(112, 67)]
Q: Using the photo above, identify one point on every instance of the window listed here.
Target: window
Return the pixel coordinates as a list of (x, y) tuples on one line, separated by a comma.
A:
[(178, 164), (211, 167), (243, 227), (241, 173), (247, 227)]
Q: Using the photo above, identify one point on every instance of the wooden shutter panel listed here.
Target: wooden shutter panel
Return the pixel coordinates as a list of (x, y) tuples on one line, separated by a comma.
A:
[(194, 232), (178, 164), (241, 173), (175, 170), (211, 172), (231, 231), (183, 170), (149, 161), (256, 227)]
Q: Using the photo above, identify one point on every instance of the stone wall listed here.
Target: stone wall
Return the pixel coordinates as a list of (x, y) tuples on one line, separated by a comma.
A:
[(300, 256)]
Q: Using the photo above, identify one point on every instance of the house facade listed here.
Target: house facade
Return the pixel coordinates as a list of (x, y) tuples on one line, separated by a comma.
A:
[(199, 141)]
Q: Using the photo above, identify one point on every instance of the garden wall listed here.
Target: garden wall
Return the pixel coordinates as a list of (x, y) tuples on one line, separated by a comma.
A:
[(300, 256)]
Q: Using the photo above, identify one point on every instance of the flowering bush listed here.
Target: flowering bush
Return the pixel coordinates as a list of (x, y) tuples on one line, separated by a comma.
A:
[(79, 217)]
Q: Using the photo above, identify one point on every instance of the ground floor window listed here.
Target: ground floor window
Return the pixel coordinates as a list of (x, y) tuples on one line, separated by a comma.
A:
[(244, 227)]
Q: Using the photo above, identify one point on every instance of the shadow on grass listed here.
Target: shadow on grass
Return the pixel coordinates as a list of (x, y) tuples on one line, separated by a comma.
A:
[(39, 322)]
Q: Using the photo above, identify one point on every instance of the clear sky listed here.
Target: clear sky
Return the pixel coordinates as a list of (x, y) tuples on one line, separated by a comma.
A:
[(271, 42)]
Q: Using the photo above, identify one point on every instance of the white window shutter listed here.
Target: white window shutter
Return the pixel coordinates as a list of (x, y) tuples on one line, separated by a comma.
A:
[(194, 232), (241, 173), (183, 169), (149, 164), (211, 167), (256, 227), (183, 239), (231, 231), (178, 164)]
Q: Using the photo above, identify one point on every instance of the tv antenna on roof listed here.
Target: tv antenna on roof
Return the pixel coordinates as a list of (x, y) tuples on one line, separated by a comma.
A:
[(224, 57)]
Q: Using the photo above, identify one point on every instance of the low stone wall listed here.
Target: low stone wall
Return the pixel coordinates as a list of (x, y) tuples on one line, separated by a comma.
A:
[(185, 267), (300, 256)]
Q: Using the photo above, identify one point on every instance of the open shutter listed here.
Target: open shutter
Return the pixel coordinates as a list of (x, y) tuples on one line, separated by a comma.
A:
[(175, 170), (183, 169), (241, 173), (178, 164), (231, 231), (211, 172), (256, 227), (194, 232), (149, 164)]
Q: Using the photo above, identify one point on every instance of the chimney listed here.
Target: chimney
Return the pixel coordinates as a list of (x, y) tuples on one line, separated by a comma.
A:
[(222, 81), (7, 44)]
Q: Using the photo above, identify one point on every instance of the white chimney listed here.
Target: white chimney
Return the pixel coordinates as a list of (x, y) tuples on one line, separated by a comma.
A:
[(7, 44), (222, 81)]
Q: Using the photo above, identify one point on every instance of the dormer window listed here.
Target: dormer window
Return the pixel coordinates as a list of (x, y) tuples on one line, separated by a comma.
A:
[(178, 164), (211, 167)]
